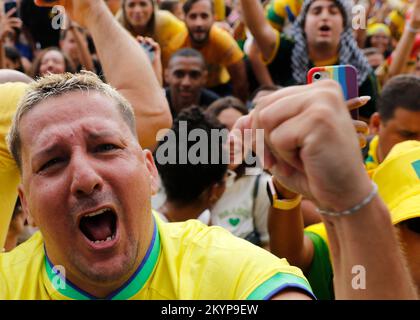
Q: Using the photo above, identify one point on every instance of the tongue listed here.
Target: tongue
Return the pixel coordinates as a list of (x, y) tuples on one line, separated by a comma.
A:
[(97, 228)]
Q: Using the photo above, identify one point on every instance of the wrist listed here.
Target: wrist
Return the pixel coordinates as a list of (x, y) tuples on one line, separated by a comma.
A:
[(283, 192), (355, 207), (278, 200)]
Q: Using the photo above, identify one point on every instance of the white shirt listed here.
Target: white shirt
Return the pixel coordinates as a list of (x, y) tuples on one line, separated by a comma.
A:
[(236, 210)]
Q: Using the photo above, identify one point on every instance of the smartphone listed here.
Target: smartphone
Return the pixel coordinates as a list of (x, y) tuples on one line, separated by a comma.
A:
[(345, 75), (149, 51), (9, 5)]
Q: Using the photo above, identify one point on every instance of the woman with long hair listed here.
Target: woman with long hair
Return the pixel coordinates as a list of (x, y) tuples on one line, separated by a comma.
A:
[(143, 18)]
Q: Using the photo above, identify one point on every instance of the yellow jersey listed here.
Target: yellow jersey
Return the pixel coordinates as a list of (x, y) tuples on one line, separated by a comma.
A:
[(372, 161), (185, 260), (10, 94), (220, 51)]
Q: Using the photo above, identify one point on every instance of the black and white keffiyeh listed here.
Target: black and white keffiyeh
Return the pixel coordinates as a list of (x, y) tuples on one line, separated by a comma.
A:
[(349, 52)]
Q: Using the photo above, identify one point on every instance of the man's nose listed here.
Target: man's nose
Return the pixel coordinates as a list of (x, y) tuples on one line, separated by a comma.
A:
[(198, 22), (186, 81), (325, 13), (85, 179)]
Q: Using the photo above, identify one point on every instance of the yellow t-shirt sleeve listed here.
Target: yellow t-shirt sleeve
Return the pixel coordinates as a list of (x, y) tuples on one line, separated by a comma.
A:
[(229, 51), (319, 229), (168, 25), (10, 94), (219, 10), (170, 34), (215, 259)]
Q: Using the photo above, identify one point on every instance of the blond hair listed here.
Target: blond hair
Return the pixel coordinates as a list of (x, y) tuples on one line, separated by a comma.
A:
[(55, 85)]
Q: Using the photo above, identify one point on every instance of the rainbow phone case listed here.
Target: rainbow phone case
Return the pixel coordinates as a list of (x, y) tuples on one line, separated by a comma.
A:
[(345, 75)]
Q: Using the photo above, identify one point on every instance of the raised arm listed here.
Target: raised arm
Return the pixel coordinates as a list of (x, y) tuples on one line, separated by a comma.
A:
[(312, 148), (404, 47), (264, 34), (125, 67), (238, 75), (82, 46), (286, 230)]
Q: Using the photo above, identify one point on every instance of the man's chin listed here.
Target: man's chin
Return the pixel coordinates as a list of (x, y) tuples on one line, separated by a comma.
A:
[(103, 270), (200, 40), (323, 43)]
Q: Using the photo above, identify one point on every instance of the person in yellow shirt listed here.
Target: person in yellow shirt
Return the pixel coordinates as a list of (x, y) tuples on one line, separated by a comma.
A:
[(10, 94), (222, 54), (142, 18), (96, 239)]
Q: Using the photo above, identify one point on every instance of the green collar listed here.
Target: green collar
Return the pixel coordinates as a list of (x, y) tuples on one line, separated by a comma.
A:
[(128, 290)]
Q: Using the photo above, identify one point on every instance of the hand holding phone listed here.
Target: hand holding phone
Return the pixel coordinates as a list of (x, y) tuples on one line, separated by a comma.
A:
[(345, 75), (150, 51)]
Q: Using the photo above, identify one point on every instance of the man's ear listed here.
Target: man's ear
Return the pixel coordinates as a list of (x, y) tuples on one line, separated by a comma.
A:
[(153, 173), (25, 207), (375, 123), (205, 76), (166, 75)]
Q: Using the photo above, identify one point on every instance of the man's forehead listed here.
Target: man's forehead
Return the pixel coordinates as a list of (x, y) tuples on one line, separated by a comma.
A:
[(72, 104), (88, 128), (202, 5), (186, 63), (323, 3), (75, 112)]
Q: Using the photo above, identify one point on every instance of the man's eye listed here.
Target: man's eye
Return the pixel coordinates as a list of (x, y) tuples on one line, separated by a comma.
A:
[(195, 75), (334, 10), (407, 134), (50, 163), (179, 74), (106, 147)]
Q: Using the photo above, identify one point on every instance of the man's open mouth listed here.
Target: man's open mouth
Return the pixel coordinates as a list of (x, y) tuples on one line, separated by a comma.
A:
[(325, 28), (99, 226)]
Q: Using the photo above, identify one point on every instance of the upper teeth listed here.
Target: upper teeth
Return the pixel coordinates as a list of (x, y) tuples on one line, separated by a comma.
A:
[(96, 213)]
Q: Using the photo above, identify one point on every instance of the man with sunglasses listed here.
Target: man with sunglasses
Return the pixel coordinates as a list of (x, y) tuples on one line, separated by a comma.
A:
[(186, 76)]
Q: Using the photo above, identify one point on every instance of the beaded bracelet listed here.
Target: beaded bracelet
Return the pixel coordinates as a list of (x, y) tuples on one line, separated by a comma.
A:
[(354, 209)]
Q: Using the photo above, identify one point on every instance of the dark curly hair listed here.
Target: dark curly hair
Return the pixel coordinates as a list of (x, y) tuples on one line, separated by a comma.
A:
[(185, 182)]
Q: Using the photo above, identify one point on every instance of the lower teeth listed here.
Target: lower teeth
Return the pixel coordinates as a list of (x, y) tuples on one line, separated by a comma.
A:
[(107, 239)]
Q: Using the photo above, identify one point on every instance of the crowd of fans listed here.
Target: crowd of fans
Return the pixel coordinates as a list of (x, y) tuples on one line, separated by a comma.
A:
[(218, 62)]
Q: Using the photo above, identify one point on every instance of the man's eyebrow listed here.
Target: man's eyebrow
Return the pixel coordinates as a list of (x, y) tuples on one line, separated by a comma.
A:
[(320, 6), (96, 135), (49, 150)]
